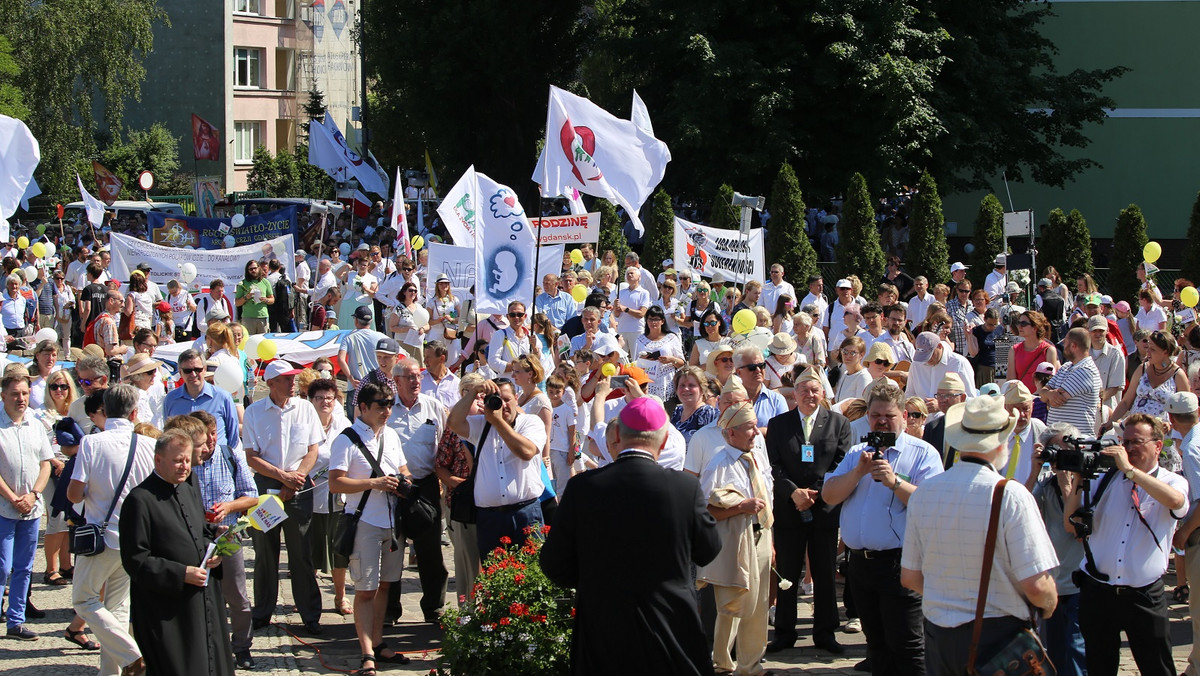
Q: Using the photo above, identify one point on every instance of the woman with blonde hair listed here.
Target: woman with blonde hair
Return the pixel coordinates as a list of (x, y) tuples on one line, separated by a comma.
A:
[(444, 308), (527, 373), (915, 414)]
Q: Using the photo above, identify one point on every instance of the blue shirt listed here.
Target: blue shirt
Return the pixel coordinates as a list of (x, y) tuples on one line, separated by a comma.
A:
[(769, 404), (359, 346), (1189, 451), (215, 401), (558, 309), (873, 517), (220, 482)]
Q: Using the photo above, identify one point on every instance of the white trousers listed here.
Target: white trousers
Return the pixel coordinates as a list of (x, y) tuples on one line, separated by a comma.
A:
[(108, 619)]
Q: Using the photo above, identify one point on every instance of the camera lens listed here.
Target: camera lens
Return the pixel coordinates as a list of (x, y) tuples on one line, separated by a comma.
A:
[(493, 402)]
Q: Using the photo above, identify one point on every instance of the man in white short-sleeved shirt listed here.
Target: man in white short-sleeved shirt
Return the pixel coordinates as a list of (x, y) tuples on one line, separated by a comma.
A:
[(508, 480), (281, 435), (632, 303)]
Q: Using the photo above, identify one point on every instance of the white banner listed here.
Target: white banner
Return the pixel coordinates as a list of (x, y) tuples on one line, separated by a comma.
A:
[(504, 249), (708, 250), (166, 262), (457, 263), (573, 229)]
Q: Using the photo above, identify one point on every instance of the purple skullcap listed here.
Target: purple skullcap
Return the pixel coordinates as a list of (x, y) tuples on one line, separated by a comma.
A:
[(644, 414)]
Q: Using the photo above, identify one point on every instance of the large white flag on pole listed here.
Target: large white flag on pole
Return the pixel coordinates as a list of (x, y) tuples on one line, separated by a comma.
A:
[(639, 114), (20, 154), (399, 219), (505, 250), (328, 150), (93, 206), (590, 150), (460, 209)]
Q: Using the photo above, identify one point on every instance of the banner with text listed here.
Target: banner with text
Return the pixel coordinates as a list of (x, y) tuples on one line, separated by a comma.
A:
[(456, 262), (166, 263), (209, 233), (708, 250), (572, 229)]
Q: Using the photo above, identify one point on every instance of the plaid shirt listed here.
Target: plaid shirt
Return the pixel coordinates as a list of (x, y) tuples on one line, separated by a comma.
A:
[(218, 484), (958, 325)]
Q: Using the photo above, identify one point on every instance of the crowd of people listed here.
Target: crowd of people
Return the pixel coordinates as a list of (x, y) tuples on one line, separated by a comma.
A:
[(857, 435)]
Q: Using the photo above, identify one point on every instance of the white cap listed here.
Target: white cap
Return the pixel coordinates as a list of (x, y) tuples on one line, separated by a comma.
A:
[(956, 267), (844, 284)]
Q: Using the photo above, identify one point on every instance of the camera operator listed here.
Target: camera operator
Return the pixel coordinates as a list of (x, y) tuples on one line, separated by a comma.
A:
[(875, 484), (508, 478), (1130, 552)]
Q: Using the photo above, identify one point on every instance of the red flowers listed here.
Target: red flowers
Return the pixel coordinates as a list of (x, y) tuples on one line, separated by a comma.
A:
[(505, 540), (519, 578), (545, 529), (505, 621)]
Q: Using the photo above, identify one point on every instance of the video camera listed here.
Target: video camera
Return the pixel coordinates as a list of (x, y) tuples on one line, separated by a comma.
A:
[(1081, 456), (879, 441)]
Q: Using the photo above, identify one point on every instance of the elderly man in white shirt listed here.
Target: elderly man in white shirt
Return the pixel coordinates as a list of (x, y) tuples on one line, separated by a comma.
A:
[(774, 288), (997, 279), (281, 435), (100, 464), (933, 359)]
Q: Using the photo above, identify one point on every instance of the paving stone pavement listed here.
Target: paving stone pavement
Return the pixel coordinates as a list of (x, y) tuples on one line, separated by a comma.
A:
[(281, 648)]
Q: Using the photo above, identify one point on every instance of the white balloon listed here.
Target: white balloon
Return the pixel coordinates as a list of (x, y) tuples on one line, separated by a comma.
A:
[(30, 274), (420, 317), (251, 348), (230, 242), (45, 334), (237, 221), (187, 272), (228, 377), (760, 337)]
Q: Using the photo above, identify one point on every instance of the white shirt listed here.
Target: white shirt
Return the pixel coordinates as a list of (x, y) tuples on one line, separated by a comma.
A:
[(995, 284), (180, 314), (1121, 543), (26, 446), (904, 350), (419, 429), (704, 445), (918, 307), (771, 293), (345, 456), (1027, 438), (728, 469), (504, 347), (444, 390), (944, 539), (923, 379), (326, 282), (672, 454), (337, 422), (632, 299), (837, 324), (303, 273), (388, 292), (1153, 320), (281, 436), (822, 305), (100, 464), (502, 478), (76, 276)]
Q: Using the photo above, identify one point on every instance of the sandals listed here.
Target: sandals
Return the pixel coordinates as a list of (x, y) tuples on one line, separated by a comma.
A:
[(55, 578), (342, 606), (396, 658), (363, 669), (68, 573), (80, 639), (1181, 593)]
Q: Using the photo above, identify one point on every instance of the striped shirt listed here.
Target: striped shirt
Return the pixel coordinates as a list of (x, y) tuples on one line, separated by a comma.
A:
[(221, 481), (1081, 381)]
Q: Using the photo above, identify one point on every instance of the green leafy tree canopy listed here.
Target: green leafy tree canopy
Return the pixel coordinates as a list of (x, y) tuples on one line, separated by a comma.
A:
[(928, 253), (1190, 269), (659, 242), (1129, 239), (787, 242), (858, 251)]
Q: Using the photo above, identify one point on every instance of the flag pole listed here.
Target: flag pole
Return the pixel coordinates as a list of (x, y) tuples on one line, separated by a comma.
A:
[(537, 258)]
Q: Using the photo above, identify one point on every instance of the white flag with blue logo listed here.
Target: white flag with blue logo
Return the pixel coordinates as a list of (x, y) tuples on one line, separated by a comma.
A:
[(505, 249)]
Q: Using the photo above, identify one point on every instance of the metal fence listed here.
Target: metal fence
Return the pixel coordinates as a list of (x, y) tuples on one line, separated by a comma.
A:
[(1165, 278)]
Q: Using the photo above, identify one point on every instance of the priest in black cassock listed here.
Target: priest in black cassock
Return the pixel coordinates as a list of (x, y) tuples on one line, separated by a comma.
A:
[(178, 623)]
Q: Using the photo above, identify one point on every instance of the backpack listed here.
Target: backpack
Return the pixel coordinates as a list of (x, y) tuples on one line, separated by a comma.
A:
[(284, 297), (89, 333)]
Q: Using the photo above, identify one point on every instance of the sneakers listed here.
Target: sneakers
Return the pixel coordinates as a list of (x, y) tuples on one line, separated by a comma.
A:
[(22, 633), (853, 626), (243, 660)]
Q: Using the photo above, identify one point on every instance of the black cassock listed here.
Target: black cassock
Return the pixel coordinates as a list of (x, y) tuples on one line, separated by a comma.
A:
[(179, 627)]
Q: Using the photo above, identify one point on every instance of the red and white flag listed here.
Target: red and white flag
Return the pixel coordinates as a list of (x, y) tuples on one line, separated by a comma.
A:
[(399, 219)]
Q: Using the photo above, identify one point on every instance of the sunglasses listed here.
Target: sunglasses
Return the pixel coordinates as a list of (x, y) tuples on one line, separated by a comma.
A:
[(191, 372), (760, 366), (883, 362), (1024, 323), (60, 387), (915, 415), (724, 360), (711, 323), (382, 403), (516, 315), (964, 291), (408, 269), (88, 382)]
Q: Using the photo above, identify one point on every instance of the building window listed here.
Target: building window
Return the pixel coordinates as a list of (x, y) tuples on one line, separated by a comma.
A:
[(285, 9), (247, 136), (285, 69), (247, 6), (246, 71)]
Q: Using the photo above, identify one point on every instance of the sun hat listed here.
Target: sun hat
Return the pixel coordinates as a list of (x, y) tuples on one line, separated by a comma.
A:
[(979, 425), (782, 343), (139, 363), (710, 363), (881, 350)]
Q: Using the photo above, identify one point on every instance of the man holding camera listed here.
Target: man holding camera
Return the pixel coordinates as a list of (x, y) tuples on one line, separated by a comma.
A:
[(508, 477), (1134, 510), (875, 481)]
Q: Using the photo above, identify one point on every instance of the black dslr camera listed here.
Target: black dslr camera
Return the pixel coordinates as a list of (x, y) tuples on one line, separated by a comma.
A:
[(493, 402), (879, 441), (1081, 456)]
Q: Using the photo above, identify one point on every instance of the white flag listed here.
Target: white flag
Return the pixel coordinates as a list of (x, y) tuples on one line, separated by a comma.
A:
[(460, 209), (639, 115), (399, 220), (93, 206), (506, 249), (596, 153), (19, 156), (328, 150), (32, 190)]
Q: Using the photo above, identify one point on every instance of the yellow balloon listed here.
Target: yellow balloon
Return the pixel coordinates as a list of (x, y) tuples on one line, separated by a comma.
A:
[(744, 321), (245, 339), (267, 350), (22, 242), (576, 256), (418, 242), (608, 370), (579, 292), (39, 249), (1152, 252), (1190, 296)]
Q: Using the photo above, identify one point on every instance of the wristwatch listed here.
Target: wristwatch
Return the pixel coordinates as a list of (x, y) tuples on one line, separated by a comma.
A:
[(1129, 473), (897, 483)]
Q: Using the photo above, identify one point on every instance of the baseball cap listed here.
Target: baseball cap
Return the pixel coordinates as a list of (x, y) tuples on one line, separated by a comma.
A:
[(1093, 299), (1181, 403), (280, 367), (636, 373), (1044, 281), (387, 346), (956, 266), (1045, 368), (1001, 260), (926, 343), (216, 313), (668, 262), (363, 313), (1106, 299), (1012, 287), (364, 247), (644, 414), (144, 267), (301, 252), (844, 284), (1122, 306), (990, 390), (1097, 323)]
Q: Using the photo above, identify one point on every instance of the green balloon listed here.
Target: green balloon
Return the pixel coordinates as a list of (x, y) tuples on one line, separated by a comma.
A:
[(41, 229)]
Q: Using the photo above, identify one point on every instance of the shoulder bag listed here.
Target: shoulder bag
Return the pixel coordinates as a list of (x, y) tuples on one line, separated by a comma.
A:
[(412, 513), (462, 499), (88, 539), (1023, 654)]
